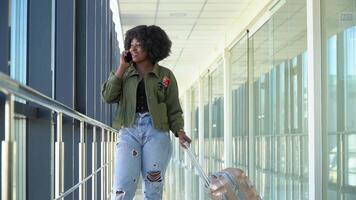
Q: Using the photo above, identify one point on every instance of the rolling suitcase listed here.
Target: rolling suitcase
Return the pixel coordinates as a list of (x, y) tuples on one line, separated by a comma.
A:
[(228, 184)]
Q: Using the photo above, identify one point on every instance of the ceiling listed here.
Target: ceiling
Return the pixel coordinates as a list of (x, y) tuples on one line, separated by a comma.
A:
[(194, 26)]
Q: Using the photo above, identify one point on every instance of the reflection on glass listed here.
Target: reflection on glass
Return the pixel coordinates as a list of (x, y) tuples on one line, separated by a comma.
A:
[(238, 65), (206, 82), (18, 71), (339, 80), (194, 113), (351, 160), (207, 131), (175, 176), (279, 63), (217, 118)]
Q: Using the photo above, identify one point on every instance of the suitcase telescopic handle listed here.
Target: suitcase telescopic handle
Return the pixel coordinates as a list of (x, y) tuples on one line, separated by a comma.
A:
[(200, 170)]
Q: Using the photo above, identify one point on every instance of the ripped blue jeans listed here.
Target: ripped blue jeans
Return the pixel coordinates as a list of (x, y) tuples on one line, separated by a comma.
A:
[(141, 149)]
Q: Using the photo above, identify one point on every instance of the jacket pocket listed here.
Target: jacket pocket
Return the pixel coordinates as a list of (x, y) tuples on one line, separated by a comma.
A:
[(161, 95), (163, 113), (117, 121)]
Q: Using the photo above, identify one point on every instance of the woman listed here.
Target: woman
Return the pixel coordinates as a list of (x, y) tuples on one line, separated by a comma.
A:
[(148, 107)]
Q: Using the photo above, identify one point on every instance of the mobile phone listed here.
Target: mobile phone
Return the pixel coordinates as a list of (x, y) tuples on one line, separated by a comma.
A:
[(128, 57)]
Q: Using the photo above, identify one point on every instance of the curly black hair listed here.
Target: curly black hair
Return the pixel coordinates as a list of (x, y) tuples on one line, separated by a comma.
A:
[(153, 39)]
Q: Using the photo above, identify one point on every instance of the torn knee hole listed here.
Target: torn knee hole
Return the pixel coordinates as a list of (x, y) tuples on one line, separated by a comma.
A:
[(134, 152), (154, 176), (118, 193)]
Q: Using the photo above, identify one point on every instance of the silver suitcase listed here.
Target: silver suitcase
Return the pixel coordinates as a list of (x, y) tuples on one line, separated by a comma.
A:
[(228, 184)]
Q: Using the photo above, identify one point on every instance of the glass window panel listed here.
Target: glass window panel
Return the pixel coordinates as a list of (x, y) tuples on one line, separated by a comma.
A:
[(332, 194), (217, 114), (296, 156), (279, 65), (282, 189), (182, 183), (282, 95), (305, 160), (273, 102), (207, 130), (296, 193), (295, 95), (339, 75), (238, 65), (195, 118), (18, 27), (333, 158), (351, 160), (331, 63), (350, 196), (349, 51), (18, 71), (194, 112), (305, 92)]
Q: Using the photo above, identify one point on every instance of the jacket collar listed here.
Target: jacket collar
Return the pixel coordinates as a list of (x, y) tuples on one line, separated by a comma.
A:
[(156, 69), (132, 70)]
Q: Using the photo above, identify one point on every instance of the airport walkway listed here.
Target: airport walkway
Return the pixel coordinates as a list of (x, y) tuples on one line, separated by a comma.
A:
[(268, 86)]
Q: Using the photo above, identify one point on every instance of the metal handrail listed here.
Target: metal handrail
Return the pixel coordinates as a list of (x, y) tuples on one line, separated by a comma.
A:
[(10, 86), (72, 189)]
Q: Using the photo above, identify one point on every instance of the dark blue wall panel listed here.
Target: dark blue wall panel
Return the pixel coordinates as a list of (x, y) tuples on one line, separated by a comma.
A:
[(98, 57), (39, 78), (65, 33), (91, 19), (4, 36), (103, 55), (4, 56), (65, 86), (105, 50), (39, 35), (80, 56), (39, 158), (70, 139)]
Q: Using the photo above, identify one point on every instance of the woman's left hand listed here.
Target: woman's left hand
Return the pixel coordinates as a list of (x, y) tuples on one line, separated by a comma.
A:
[(184, 140)]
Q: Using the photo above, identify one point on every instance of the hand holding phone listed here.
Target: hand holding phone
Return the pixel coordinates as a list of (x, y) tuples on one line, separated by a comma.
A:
[(125, 59), (127, 56)]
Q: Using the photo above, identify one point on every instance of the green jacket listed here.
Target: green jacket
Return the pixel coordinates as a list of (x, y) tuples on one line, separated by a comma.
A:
[(162, 98)]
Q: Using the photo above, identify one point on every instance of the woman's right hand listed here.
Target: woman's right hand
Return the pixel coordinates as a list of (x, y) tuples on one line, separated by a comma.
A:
[(184, 140), (123, 65)]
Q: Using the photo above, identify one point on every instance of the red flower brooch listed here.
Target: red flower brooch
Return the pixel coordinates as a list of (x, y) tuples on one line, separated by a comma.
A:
[(165, 81)]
